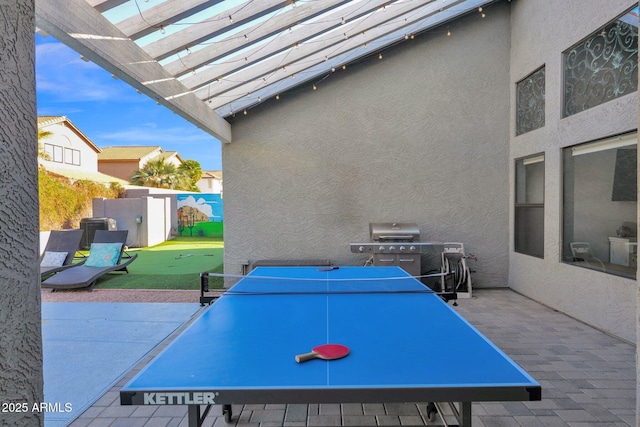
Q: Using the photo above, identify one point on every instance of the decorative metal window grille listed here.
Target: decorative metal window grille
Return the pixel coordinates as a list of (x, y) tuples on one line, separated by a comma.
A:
[(602, 67), (530, 102)]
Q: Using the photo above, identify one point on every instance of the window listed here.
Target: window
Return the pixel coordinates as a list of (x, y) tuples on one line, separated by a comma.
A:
[(60, 154), (600, 205), (72, 156), (530, 102), (602, 67), (529, 206), (54, 152)]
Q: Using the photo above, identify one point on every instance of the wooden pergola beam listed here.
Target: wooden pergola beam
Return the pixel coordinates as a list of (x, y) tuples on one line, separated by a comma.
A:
[(254, 34), (306, 57), (84, 29), (268, 53), (162, 15), (209, 28), (104, 5)]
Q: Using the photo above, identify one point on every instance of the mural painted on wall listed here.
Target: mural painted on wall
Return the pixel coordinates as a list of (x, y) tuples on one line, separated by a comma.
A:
[(200, 215)]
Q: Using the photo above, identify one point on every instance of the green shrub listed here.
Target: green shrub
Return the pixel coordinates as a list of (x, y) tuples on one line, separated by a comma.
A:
[(63, 203)]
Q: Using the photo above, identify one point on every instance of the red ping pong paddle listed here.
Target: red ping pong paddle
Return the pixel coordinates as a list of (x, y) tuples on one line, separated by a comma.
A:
[(324, 351)]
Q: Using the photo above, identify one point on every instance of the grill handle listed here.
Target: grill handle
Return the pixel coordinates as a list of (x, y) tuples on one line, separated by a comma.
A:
[(397, 237)]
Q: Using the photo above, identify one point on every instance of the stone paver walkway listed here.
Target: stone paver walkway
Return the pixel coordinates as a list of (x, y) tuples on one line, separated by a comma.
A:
[(588, 378)]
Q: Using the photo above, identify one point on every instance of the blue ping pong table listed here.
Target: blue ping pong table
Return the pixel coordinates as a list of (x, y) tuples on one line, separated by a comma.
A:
[(407, 345)]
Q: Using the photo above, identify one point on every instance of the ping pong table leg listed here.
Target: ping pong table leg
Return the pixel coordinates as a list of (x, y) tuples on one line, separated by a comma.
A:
[(461, 413), (195, 419), (465, 416), (227, 412)]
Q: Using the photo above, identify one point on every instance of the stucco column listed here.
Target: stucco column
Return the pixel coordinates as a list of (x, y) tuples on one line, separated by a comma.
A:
[(20, 315)]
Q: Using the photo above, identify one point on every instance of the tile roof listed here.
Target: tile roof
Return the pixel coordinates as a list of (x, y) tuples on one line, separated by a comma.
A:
[(212, 174), (50, 120), (134, 152), (44, 121), (167, 154), (85, 175)]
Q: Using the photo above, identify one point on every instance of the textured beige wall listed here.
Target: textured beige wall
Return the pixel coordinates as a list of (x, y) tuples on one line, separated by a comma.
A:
[(541, 30), (421, 136), (20, 315), (122, 170)]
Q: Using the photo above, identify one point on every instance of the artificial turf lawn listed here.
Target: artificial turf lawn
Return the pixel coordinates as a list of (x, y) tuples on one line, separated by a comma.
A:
[(174, 264)]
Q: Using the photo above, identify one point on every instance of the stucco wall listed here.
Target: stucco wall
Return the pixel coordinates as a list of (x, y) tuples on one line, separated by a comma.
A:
[(541, 31), (419, 136), (123, 170), (171, 196), (210, 185), (20, 316), (65, 137), (155, 213)]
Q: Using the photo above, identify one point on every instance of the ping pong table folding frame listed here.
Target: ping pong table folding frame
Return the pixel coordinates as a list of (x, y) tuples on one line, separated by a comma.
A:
[(407, 345)]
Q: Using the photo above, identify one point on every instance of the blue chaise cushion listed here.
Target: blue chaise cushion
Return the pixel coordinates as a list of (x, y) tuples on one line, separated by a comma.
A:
[(103, 254)]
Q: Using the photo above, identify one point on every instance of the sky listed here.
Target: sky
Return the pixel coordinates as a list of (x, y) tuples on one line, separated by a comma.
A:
[(109, 111)]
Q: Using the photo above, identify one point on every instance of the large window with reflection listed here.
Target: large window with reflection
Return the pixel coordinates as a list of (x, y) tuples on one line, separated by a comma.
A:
[(529, 206), (600, 193)]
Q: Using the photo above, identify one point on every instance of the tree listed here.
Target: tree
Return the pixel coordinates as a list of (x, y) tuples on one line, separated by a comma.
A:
[(193, 170), (159, 174), (43, 134)]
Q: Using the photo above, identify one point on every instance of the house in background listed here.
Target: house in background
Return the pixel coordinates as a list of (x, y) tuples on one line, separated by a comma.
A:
[(123, 161), (69, 152), (150, 214), (210, 182)]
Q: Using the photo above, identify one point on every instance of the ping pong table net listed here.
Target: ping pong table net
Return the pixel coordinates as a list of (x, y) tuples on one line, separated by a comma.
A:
[(263, 284)]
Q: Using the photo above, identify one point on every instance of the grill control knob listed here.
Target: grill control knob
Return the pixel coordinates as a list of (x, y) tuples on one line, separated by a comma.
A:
[(361, 249), (412, 248), (392, 248), (402, 249), (381, 248)]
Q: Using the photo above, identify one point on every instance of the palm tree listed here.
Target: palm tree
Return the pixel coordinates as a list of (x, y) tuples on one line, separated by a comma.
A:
[(43, 134), (159, 174), (193, 170)]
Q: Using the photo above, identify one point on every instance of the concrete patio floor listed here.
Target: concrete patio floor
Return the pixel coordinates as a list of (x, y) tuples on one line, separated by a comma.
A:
[(89, 346), (588, 378)]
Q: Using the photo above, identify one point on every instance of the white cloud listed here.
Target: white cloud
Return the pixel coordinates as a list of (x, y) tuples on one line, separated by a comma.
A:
[(190, 142), (200, 204), (64, 77), (150, 133)]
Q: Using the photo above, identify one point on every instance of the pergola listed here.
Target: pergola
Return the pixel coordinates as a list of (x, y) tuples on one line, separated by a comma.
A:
[(209, 59)]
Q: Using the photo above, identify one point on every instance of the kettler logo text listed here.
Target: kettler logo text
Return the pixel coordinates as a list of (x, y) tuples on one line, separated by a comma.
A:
[(189, 398)]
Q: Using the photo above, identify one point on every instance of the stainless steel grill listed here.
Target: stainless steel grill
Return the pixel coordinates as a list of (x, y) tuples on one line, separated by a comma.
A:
[(393, 243)]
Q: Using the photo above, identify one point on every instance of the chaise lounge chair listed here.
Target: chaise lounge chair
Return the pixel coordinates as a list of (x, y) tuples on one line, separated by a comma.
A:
[(105, 256), (114, 236), (583, 255), (60, 251)]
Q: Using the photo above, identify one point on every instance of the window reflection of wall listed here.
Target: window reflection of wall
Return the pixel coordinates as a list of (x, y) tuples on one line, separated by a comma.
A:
[(593, 207), (529, 208)]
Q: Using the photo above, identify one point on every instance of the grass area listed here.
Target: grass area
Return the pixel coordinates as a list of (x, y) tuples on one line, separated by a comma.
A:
[(204, 229), (174, 264)]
